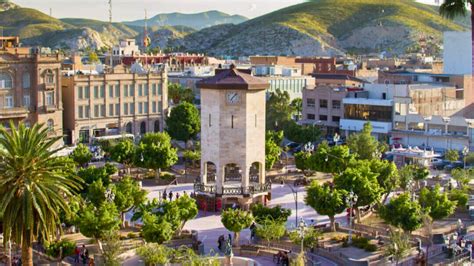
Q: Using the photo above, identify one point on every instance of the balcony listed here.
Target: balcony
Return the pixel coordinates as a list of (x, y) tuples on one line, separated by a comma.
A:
[(15, 112), (49, 108), (233, 190), (49, 86)]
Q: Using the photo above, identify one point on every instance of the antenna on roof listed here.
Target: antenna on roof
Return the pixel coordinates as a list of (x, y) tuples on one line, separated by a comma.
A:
[(110, 22), (146, 38)]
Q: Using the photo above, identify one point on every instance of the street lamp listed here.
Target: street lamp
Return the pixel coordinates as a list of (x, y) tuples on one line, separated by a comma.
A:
[(301, 228), (295, 196), (309, 147), (465, 152), (350, 200)]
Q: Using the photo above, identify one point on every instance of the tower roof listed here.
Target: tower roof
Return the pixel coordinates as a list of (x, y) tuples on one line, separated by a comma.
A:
[(233, 78)]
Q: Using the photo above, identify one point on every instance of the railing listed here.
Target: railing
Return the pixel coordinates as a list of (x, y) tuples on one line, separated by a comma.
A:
[(233, 177), (254, 178), (260, 188), (200, 187), (232, 190)]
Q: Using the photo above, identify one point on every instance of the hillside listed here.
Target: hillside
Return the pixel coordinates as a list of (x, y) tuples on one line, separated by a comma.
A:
[(328, 27), (196, 21)]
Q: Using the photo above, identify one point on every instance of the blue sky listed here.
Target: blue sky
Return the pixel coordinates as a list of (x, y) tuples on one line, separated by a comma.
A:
[(134, 9)]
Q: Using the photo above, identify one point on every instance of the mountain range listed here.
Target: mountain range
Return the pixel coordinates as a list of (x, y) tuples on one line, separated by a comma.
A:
[(317, 27)]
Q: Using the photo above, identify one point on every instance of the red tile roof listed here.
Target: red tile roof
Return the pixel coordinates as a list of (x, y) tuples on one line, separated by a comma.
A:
[(233, 78)]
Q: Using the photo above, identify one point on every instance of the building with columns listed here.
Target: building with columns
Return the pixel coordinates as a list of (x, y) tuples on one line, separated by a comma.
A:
[(30, 86), (113, 103), (232, 140)]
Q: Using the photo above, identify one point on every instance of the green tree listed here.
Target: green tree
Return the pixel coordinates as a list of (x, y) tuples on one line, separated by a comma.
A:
[(184, 122), (112, 249), (462, 176), (93, 57), (302, 162), (436, 203), (297, 106), (81, 155), (406, 176), (124, 152), (301, 133), (128, 195), (387, 178), (470, 158), (326, 200), (34, 186), (330, 159), (155, 152), (156, 229), (270, 230), (310, 240), (277, 213), (460, 197), (143, 208), (272, 148), (365, 145), (452, 155), (155, 254), (363, 182), (399, 245), (402, 212), (278, 110), (192, 156), (235, 221), (92, 173), (178, 94), (98, 222), (187, 209), (96, 192), (459, 8)]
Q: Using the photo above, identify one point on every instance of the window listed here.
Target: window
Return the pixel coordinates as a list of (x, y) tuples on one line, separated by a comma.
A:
[(49, 99), (132, 90), (96, 92), (310, 102), (26, 101), (323, 117), (310, 117), (125, 90), (384, 96), (160, 107), (140, 108), (153, 89), (9, 102), (323, 103), (153, 107), (210, 120), (145, 87), (80, 93), (49, 79), (117, 109), (102, 110), (50, 125), (232, 122), (6, 81), (111, 109), (26, 80), (125, 108), (96, 110), (140, 90), (87, 92), (368, 112), (102, 91), (80, 111), (145, 108), (87, 112), (336, 119), (117, 91), (111, 91), (159, 89), (132, 108), (336, 104)]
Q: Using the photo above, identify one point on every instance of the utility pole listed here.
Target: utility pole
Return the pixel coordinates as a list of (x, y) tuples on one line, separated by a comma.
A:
[(111, 46)]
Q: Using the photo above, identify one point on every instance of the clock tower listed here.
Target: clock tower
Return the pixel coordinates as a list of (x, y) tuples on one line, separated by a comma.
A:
[(232, 140)]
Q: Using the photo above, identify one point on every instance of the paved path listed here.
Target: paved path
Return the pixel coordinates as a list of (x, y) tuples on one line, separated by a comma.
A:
[(209, 226)]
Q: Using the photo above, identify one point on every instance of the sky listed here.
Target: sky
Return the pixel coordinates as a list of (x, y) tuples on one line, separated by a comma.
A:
[(124, 10)]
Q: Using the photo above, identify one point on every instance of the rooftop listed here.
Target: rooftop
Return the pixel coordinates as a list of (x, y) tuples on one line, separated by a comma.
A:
[(233, 78), (337, 76)]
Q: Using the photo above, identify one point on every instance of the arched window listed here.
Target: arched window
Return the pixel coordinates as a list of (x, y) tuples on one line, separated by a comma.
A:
[(129, 128), (26, 80), (232, 172), (143, 127), (6, 81), (157, 126), (211, 172), (50, 124), (254, 172)]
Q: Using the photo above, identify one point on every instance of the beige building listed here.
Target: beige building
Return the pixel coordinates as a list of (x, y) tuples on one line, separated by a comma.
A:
[(232, 140), (114, 103), (30, 86)]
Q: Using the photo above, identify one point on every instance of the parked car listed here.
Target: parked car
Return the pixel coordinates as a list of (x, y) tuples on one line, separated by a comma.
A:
[(454, 165)]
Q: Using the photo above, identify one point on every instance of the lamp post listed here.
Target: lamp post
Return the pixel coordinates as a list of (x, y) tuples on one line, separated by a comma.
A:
[(350, 200), (301, 228), (295, 196), (465, 152)]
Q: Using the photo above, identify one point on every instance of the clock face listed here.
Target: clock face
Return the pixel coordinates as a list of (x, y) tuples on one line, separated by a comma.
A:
[(233, 97)]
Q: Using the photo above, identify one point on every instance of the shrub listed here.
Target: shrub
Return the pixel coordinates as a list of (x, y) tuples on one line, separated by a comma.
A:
[(370, 247), (168, 177), (132, 235), (53, 248), (360, 242)]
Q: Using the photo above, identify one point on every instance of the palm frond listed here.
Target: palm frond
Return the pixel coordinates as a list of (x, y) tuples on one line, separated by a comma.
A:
[(454, 8)]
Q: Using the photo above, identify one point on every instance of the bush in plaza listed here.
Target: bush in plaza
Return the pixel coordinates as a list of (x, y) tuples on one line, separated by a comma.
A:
[(156, 152), (277, 213), (460, 196), (270, 230), (402, 212), (154, 254), (311, 237), (81, 155), (53, 249), (235, 221)]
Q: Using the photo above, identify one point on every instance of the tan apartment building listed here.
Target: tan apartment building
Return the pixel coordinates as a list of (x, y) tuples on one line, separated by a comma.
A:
[(114, 103), (30, 86)]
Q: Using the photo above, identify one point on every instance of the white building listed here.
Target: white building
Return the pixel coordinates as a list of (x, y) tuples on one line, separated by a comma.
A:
[(126, 47), (457, 52)]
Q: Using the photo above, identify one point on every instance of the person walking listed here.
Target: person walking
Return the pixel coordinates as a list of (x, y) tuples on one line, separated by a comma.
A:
[(177, 195), (77, 254), (164, 194), (170, 195)]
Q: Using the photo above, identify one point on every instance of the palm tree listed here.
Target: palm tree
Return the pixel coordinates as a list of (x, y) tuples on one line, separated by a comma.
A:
[(454, 8), (34, 186)]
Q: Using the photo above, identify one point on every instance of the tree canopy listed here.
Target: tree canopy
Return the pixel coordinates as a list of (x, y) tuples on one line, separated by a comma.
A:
[(123, 152), (128, 194), (278, 110), (81, 155), (452, 155), (436, 203), (184, 122), (403, 212), (235, 221), (155, 152), (272, 148), (277, 213), (364, 145), (178, 94), (326, 200)]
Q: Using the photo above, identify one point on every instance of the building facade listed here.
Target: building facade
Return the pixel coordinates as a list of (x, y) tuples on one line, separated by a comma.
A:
[(30, 86), (232, 140), (114, 103)]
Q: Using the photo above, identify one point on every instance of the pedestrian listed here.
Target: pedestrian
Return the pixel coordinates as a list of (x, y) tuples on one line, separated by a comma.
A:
[(170, 195), (164, 194), (220, 240), (185, 193), (91, 261), (84, 254), (234, 206), (77, 254), (252, 228), (230, 238), (177, 195)]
